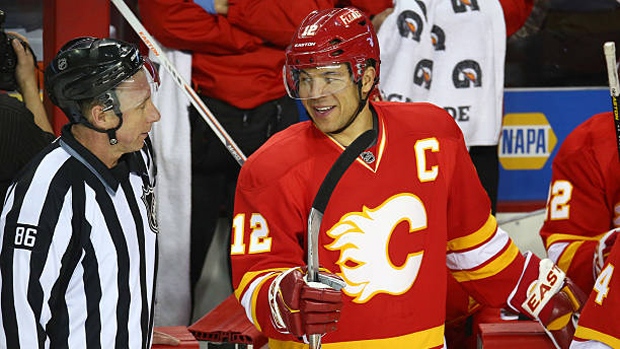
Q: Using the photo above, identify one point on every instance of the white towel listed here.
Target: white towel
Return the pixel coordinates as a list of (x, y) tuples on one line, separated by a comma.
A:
[(406, 50), (171, 140), (467, 43)]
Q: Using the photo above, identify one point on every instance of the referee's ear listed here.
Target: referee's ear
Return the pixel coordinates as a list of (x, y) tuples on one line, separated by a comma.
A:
[(102, 119)]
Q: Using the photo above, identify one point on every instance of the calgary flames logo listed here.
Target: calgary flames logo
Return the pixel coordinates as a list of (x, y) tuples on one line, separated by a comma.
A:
[(363, 239)]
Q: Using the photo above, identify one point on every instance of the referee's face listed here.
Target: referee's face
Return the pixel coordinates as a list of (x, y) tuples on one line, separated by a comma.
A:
[(139, 113)]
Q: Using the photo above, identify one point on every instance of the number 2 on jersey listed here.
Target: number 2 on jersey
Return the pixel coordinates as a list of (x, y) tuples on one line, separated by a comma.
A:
[(561, 193)]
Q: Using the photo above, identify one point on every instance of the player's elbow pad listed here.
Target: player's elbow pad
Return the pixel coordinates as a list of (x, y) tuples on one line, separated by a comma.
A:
[(545, 293)]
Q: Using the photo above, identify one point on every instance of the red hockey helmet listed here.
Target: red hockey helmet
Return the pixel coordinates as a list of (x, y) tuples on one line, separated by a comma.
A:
[(331, 37)]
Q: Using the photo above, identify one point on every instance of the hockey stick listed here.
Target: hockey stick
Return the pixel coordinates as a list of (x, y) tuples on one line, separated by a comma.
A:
[(320, 203), (614, 87), (202, 109)]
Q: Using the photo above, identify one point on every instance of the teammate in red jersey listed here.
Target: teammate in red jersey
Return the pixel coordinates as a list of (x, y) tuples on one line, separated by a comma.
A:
[(583, 208), (583, 214), (405, 213), (596, 330)]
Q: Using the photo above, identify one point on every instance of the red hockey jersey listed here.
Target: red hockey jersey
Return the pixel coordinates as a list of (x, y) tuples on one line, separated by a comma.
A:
[(392, 229), (584, 198), (595, 322)]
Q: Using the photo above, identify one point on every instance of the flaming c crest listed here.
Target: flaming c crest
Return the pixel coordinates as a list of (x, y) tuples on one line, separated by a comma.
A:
[(363, 239)]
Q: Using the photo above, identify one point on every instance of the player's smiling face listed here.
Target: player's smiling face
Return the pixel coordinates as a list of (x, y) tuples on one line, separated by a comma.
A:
[(329, 95)]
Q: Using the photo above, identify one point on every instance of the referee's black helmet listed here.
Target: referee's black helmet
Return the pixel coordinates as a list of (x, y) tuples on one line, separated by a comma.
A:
[(85, 68)]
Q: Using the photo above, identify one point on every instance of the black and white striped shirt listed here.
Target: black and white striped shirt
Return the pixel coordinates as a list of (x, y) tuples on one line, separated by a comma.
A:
[(79, 251)]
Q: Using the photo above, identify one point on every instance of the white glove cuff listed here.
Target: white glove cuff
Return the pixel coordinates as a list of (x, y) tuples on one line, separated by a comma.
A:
[(599, 253), (274, 292)]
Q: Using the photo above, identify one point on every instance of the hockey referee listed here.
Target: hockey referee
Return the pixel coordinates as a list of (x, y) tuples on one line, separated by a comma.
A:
[(79, 233)]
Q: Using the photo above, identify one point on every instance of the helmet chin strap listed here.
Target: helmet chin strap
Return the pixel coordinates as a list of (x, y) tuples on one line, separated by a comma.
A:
[(112, 131)]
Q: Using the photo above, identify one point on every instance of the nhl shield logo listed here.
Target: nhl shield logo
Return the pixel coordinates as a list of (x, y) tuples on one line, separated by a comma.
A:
[(368, 157), (148, 197)]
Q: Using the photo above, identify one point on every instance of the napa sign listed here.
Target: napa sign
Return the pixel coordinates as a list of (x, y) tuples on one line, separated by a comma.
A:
[(535, 123), (526, 141)]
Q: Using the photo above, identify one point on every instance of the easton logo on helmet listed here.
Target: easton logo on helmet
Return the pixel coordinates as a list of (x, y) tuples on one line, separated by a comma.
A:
[(305, 44)]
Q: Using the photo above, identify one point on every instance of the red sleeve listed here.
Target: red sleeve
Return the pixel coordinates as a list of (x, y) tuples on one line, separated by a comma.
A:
[(275, 21), (183, 25), (270, 217), (267, 238), (516, 13)]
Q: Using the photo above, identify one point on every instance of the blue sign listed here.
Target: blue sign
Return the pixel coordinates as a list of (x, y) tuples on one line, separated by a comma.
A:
[(564, 109)]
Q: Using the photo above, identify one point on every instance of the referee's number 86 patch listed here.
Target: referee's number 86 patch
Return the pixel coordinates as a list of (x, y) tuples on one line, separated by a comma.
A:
[(25, 237)]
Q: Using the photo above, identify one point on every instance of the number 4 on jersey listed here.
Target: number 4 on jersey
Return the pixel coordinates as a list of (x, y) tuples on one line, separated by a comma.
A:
[(601, 286)]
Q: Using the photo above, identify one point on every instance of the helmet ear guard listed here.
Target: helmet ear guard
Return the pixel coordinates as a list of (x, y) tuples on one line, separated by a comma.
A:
[(331, 37)]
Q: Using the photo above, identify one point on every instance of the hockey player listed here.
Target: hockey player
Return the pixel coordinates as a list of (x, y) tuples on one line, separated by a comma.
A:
[(583, 208), (405, 213), (596, 330)]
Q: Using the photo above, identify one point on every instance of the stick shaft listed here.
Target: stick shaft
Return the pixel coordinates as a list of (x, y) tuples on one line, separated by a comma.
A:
[(202, 109), (609, 48), (324, 193), (319, 205)]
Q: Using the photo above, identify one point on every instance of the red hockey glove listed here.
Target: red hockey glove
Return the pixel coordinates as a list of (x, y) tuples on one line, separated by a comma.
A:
[(602, 251), (303, 308), (545, 293)]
